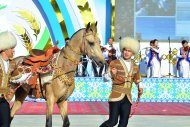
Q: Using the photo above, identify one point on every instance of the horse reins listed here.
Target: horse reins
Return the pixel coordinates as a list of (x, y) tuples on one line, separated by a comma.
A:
[(135, 107)]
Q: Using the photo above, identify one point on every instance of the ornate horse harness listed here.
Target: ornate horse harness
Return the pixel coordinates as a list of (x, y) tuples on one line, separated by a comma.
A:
[(38, 65)]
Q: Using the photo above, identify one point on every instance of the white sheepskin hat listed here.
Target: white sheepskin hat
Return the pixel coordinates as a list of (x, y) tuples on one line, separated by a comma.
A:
[(130, 43), (7, 40)]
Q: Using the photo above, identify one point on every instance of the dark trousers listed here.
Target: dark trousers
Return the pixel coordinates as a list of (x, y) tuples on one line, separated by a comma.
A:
[(4, 113), (94, 66), (101, 69), (84, 63), (120, 108), (84, 66)]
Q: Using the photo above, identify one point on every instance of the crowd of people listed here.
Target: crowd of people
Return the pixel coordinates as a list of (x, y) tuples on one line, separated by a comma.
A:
[(111, 52)]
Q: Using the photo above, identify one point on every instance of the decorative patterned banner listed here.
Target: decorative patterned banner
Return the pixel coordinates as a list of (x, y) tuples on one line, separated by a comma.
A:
[(155, 90)]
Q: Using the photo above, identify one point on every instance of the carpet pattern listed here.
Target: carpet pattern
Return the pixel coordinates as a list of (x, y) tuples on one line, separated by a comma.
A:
[(155, 108)]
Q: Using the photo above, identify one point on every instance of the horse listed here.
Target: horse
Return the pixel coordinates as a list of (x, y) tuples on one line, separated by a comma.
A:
[(84, 41)]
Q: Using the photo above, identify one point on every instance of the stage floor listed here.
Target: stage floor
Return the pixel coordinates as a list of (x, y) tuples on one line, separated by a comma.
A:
[(101, 108), (96, 120)]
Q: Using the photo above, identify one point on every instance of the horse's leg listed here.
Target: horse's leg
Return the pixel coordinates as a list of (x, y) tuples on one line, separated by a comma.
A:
[(63, 107), (49, 105), (20, 96)]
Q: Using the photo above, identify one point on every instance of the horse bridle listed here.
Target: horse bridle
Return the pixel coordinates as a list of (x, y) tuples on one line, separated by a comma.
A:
[(73, 60), (83, 47), (64, 77)]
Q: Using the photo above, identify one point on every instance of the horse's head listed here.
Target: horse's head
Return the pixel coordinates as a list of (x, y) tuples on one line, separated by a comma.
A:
[(91, 44)]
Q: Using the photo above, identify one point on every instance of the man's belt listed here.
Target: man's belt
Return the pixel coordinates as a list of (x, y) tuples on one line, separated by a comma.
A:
[(121, 89)]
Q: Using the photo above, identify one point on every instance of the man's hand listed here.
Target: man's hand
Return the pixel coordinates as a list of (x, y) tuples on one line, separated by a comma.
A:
[(10, 94), (23, 79), (140, 92)]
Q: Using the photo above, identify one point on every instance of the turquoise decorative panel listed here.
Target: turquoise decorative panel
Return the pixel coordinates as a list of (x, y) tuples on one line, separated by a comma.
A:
[(155, 90)]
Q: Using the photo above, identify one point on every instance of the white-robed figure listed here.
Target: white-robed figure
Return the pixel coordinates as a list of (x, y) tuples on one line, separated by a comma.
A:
[(183, 60), (147, 53), (154, 62), (111, 52)]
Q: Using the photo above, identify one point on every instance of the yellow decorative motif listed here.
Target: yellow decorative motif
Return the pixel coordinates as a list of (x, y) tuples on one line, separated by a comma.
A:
[(148, 94), (24, 36), (174, 51), (31, 20), (174, 61), (166, 87), (85, 11), (80, 2), (163, 57), (183, 94), (138, 57), (95, 93), (113, 19), (48, 45), (170, 57), (80, 85), (59, 17)]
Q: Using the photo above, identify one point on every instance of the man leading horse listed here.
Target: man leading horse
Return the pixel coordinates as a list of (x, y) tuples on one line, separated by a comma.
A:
[(8, 72)]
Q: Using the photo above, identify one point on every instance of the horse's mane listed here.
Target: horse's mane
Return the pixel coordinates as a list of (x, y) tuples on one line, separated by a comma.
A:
[(77, 32), (72, 36)]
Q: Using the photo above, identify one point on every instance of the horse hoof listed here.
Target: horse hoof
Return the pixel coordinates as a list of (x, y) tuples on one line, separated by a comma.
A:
[(66, 124)]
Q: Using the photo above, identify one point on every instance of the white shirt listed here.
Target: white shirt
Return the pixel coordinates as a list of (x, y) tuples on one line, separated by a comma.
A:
[(128, 65), (116, 47), (6, 65)]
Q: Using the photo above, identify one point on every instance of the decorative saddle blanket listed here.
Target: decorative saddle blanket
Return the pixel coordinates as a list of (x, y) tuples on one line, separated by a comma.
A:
[(39, 63)]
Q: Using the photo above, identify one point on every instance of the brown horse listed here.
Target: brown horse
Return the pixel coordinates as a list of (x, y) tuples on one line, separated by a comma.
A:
[(84, 41)]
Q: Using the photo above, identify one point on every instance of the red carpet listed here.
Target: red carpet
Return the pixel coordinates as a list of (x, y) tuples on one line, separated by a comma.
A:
[(39, 108)]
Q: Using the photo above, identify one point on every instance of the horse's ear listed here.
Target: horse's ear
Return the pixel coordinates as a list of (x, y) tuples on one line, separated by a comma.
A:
[(95, 27), (96, 24), (88, 26)]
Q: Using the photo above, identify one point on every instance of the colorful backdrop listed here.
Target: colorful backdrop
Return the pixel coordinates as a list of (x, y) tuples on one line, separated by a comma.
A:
[(40, 23)]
